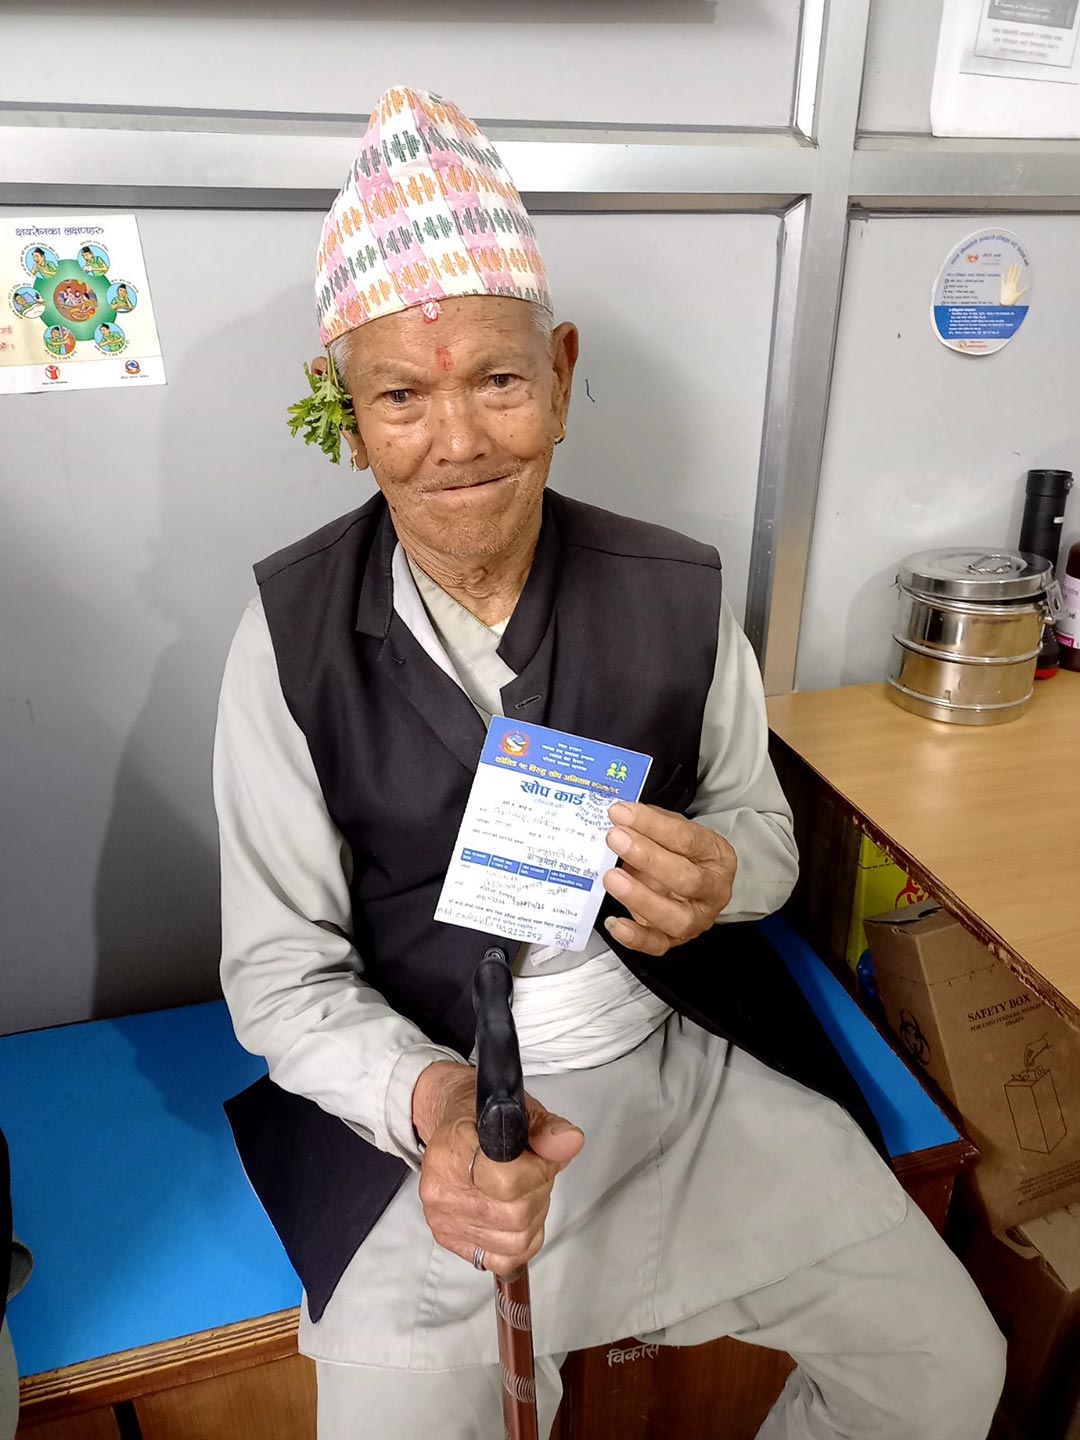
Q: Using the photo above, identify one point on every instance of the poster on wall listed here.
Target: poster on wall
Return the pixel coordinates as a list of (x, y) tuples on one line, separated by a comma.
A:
[(1008, 68), (982, 293), (78, 314)]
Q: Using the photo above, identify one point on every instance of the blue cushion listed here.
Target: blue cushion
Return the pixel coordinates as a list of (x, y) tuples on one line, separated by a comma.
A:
[(124, 1176), (909, 1119)]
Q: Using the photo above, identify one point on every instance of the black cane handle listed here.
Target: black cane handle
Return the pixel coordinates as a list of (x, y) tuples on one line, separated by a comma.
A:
[(502, 1125)]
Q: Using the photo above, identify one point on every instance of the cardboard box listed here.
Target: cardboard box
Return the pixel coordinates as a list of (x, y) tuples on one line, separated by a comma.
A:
[(1006, 1061), (1032, 1288), (879, 885)]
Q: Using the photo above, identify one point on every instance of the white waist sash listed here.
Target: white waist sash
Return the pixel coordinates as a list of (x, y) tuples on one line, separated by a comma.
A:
[(577, 1019)]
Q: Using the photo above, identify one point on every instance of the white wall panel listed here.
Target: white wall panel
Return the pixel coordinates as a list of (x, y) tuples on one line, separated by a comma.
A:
[(130, 521), (901, 48), (926, 447), (686, 62)]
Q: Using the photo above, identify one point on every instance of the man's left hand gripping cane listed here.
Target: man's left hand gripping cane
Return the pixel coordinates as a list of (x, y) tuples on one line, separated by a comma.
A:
[(470, 1203)]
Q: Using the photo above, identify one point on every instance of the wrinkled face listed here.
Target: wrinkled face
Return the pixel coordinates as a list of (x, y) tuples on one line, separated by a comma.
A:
[(458, 416)]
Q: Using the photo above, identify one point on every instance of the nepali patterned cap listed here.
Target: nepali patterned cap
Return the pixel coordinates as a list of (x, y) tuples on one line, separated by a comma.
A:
[(427, 213)]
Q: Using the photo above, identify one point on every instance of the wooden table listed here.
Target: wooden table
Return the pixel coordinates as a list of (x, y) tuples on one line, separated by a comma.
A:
[(987, 819)]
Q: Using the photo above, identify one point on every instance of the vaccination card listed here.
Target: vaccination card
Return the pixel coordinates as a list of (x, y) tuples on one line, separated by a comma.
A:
[(532, 851)]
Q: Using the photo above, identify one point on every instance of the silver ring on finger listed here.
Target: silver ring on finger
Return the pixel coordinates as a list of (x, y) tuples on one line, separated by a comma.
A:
[(472, 1166), (478, 1258)]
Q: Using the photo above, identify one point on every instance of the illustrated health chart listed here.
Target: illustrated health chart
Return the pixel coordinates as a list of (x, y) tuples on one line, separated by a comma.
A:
[(78, 314)]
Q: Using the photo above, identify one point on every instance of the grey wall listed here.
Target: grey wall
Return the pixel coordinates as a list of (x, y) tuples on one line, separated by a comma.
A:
[(926, 447), (901, 47), (129, 522), (688, 62)]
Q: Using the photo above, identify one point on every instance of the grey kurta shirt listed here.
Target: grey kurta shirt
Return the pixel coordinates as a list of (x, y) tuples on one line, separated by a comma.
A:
[(704, 1174)]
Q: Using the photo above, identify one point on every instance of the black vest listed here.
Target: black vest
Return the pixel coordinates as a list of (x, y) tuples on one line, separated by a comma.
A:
[(613, 637)]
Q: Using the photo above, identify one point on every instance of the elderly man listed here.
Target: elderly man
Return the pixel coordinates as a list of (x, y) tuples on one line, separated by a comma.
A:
[(688, 1174)]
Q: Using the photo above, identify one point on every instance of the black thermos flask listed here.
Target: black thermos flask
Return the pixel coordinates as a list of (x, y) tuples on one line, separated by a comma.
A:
[(1040, 534)]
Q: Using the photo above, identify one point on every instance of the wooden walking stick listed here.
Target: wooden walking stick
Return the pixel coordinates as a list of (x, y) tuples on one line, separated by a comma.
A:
[(503, 1131)]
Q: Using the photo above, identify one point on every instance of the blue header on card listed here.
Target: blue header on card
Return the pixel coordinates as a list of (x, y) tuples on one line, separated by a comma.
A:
[(552, 756)]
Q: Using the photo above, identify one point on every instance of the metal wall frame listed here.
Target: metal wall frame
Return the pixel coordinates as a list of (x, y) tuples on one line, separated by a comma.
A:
[(813, 175)]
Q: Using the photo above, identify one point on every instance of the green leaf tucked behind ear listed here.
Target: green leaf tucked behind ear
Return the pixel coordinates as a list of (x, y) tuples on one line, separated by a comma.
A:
[(325, 413)]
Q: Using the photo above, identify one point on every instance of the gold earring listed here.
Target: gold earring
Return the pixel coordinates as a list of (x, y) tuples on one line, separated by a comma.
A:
[(561, 435), (352, 463)]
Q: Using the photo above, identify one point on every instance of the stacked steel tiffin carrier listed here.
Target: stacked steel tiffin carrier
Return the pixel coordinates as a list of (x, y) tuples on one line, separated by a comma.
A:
[(968, 632)]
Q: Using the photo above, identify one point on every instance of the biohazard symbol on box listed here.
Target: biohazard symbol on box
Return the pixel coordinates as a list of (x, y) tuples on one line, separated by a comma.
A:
[(913, 1039), (911, 894)]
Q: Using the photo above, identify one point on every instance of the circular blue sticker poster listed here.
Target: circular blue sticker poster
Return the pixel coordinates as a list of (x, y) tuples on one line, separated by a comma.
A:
[(982, 293)]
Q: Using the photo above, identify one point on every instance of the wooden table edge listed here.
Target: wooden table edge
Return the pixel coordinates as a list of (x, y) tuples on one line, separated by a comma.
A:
[(999, 948), (948, 1158), (127, 1374)]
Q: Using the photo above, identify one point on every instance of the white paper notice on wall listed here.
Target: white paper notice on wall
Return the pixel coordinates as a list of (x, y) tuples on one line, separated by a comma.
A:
[(1026, 40), (982, 293), (1008, 68), (77, 312)]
